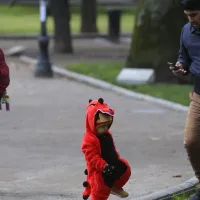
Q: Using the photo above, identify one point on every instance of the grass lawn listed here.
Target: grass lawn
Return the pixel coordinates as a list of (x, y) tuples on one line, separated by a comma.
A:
[(181, 197), (184, 196), (108, 71), (25, 20)]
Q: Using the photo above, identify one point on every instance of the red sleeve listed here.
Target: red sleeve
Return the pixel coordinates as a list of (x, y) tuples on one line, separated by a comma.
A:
[(4, 73), (93, 157)]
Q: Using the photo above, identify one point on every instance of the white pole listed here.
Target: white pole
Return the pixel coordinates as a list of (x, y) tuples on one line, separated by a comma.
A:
[(42, 10)]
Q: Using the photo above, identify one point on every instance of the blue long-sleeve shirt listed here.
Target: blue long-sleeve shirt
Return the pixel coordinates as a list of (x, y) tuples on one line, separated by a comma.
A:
[(189, 53)]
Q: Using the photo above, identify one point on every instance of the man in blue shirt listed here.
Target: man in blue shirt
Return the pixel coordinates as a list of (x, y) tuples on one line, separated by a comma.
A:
[(189, 62)]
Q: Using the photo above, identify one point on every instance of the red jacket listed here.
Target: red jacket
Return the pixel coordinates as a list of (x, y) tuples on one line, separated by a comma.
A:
[(4, 73)]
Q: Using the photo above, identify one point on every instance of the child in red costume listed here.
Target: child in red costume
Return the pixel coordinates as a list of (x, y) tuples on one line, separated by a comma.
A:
[(106, 171)]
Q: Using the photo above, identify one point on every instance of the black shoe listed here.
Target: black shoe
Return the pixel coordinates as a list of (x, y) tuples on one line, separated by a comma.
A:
[(196, 196)]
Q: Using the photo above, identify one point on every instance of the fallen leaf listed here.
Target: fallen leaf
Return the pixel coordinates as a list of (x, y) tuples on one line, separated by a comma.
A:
[(177, 176)]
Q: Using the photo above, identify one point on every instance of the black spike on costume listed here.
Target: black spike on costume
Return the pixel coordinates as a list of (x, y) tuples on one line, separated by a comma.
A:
[(86, 172), (85, 184), (100, 100), (85, 197), (90, 100)]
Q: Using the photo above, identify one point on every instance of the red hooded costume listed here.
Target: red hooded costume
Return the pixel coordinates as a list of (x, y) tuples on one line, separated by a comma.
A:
[(95, 156), (4, 74)]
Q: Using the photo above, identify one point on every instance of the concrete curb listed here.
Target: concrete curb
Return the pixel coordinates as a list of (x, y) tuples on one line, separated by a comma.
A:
[(105, 85), (165, 193), (51, 36)]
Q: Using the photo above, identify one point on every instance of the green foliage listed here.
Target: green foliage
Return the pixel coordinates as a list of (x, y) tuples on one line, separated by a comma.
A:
[(103, 9), (25, 20), (108, 71), (185, 195)]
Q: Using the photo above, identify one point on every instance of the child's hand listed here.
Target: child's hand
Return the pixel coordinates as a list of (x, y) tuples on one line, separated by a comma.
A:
[(109, 175), (109, 170)]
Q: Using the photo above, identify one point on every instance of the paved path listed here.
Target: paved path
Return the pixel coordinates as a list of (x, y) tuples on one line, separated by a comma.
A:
[(84, 50), (40, 140)]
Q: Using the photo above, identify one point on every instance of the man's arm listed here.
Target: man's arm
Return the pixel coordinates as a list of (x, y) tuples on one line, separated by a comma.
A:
[(183, 57), (93, 157), (181, 68)]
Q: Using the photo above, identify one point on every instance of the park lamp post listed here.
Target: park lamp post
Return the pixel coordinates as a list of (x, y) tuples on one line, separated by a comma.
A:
[(43, 66)]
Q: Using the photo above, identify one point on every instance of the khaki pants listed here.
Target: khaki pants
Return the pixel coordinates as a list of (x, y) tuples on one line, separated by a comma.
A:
[(192, 133)]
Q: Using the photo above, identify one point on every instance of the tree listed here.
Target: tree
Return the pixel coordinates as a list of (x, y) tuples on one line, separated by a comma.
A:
[(88, 16), (156, 37), (61, 15)]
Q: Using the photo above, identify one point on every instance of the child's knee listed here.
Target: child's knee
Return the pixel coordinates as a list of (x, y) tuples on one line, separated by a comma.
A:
[(125, 161), (125, 176), (128, 171), (128, 168)]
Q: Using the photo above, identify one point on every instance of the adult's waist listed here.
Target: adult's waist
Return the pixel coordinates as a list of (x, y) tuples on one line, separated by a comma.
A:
[(197, 84), (195, 68)]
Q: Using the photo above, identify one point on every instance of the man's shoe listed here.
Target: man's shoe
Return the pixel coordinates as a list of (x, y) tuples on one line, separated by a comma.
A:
[(119, 192), (196, 196)]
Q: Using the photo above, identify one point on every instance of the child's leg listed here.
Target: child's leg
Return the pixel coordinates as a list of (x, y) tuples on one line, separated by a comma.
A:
[(117, 188), (99, 191), (96, 197), (124, 177)]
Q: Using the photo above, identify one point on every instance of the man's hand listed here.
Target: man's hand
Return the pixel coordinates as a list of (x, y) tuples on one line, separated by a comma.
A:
[(178, 70)]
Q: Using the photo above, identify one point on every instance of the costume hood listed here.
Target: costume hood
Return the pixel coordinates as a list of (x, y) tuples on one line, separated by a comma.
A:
[(97, 109)]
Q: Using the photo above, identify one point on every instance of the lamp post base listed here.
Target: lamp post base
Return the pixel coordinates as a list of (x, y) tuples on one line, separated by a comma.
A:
[(43, 66)]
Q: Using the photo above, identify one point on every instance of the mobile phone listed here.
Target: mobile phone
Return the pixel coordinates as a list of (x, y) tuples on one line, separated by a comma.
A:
[(173, 65)]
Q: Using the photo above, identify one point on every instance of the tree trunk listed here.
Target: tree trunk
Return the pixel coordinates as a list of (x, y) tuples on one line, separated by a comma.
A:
[(88, 16), (61, 14), (156, 37)]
